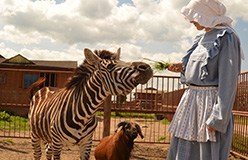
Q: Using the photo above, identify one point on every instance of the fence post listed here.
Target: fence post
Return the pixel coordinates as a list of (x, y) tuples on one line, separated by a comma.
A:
[(107, 115), (107, 108)]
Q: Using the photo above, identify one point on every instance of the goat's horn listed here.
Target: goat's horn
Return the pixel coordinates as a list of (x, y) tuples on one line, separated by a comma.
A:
[(120, 124), (139, 130)]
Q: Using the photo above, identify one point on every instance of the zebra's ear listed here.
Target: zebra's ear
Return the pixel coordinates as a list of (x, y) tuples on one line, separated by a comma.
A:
[(91, 57), (118, 54)]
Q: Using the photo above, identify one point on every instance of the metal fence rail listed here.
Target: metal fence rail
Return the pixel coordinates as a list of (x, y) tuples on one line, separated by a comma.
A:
[(14, 126), (148, 105), (241, 102), (154, 131), (240, 136)]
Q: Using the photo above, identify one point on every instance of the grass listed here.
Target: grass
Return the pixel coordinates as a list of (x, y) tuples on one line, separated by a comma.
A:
[(11, 122), (128, 115), (241, 120), (7, 141), (162, 138), (240, 143), (165, 121)]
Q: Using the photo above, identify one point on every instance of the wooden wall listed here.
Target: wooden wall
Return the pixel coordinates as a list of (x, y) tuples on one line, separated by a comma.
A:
[(14, 96)]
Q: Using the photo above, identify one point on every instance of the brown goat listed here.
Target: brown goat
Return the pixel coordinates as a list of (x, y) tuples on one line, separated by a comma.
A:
[(119, 145)]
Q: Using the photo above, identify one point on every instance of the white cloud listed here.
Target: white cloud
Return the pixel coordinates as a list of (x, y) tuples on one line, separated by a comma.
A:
[(99, 25), (7, 52), (93, 21), (236, 9), (10, 33), (95, 9)]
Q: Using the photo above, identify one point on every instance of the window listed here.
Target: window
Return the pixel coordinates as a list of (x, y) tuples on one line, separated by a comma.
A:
[(50, 79), (3, 78), (29, 79)]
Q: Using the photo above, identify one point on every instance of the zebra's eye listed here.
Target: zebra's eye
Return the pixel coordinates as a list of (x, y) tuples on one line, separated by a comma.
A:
[(111, 66)]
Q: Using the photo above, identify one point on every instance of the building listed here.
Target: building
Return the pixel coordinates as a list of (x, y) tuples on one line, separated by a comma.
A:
[(18, 73), (151, 98)]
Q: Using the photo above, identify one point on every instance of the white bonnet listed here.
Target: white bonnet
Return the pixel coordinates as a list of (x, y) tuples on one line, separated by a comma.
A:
[(207, 13)]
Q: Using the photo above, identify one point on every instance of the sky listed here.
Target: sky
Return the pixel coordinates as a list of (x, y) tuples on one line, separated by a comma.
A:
[(61, 29)]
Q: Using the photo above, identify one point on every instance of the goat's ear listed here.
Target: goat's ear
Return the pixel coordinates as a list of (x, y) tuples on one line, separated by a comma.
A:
[(120, 124), (139, 130)]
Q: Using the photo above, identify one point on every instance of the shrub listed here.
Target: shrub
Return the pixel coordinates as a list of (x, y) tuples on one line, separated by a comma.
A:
[(4, 116)]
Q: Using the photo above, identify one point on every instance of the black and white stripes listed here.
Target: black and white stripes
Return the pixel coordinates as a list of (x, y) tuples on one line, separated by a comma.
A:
[(66, 116)]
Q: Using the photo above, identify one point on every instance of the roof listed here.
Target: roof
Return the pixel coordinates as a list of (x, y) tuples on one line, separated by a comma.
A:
[(20, 60), (1, 58), (64, 64)]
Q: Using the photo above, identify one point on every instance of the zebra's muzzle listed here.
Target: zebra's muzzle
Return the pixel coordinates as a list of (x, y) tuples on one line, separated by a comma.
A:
[(145, 72)]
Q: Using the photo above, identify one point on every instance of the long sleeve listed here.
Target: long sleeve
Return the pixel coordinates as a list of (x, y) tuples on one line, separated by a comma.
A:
[(186, 57), (228, 71)]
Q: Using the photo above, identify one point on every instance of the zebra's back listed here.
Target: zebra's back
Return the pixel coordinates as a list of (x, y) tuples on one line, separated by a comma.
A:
[(39, 116)]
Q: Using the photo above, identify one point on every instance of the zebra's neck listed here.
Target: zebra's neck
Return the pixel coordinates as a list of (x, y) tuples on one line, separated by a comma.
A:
[(93, 94)]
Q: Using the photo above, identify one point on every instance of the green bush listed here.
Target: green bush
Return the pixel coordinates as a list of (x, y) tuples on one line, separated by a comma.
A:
[(4, 116)]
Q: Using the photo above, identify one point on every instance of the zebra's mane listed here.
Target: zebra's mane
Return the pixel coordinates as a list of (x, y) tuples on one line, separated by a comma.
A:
[(104, 54), (83, 72)]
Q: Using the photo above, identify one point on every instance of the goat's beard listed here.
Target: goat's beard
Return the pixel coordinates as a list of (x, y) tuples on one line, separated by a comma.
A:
[(132, 136)]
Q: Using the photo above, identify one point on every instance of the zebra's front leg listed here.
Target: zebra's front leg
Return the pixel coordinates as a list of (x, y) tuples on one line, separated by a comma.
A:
[(85, 149)]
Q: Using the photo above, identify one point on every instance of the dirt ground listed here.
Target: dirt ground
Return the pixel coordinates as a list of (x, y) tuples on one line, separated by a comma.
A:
[(20, 149)]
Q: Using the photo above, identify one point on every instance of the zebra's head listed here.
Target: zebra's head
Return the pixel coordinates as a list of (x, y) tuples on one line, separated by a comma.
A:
[(117, 76)]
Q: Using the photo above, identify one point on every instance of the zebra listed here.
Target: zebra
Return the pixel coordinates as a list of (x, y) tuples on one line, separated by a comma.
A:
[(66, 116)]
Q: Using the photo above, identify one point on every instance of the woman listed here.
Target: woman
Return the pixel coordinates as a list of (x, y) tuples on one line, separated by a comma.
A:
[(202, 126)]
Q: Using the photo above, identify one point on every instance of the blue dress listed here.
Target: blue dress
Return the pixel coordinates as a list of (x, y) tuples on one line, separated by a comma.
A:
[(213, 60)]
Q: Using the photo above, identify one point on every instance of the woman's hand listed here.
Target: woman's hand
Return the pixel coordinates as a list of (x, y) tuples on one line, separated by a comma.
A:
[(175, 67), (210, 129)]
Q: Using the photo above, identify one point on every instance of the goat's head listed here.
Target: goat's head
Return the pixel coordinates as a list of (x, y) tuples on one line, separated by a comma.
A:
[(130, 129)]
